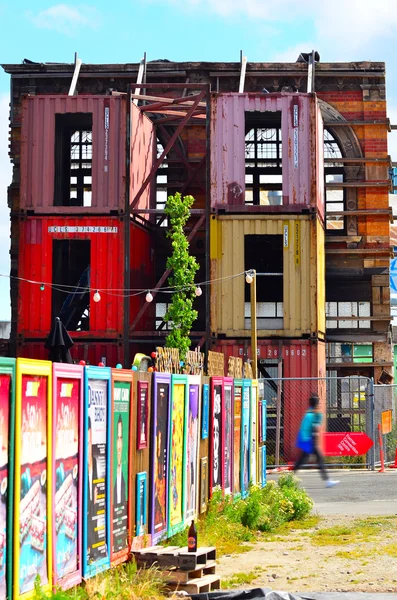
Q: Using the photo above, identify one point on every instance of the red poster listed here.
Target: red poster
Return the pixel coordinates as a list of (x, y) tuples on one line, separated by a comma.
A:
[(33, 501)]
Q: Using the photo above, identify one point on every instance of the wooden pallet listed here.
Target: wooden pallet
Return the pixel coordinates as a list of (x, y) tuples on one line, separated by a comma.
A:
[(179, 576), (191, 561), (162, 556), (198, 585)]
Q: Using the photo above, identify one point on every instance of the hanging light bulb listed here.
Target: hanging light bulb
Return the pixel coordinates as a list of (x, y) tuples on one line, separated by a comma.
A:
[(148, 297), (42, 287), (199, 291), (97, 296), (248, 277)]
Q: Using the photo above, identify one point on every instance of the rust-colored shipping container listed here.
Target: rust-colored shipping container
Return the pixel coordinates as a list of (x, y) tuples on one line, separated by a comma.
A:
[(93, 352), (68, 254), (301, 362), (241, 242), (286, 130), (67, 137)]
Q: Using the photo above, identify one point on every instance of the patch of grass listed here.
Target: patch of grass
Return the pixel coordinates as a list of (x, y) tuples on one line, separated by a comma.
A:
[(239, 579), (354, 554), (125, 582), (361, 531), (232, 525)]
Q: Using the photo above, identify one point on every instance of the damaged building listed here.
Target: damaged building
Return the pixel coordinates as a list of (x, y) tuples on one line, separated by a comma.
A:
[(290, 175)]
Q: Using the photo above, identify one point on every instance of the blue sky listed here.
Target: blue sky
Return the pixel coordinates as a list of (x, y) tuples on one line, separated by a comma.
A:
[(188, 30)]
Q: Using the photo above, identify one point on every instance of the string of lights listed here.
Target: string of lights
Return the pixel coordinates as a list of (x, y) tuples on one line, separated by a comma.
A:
[(128, 292)]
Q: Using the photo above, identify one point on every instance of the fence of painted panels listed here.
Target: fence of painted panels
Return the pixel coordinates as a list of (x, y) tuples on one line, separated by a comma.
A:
[(349, 424), (97, 459), (385, 402)]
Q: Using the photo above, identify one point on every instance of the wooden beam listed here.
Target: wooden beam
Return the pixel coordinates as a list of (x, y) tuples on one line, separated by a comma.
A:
[(383, 251), (297, 73), (356, 365), (349, 123), (363, 212), (357, 184), (358, 161), (349, 318), (348, 239)]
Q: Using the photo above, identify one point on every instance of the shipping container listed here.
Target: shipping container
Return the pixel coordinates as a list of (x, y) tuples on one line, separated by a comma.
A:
[(73, 154), (67, 255), (301, 365), (275, 137), (110, 353), (63, 137), (288, 254)]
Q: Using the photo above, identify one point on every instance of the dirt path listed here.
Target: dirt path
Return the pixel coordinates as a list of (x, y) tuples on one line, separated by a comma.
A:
[(337, 553)]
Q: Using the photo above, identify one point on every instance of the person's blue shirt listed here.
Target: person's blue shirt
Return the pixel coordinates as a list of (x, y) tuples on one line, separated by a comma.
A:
[(310, 421)]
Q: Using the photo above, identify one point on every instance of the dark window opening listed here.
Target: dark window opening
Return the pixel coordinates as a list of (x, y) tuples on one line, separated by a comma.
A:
[(263, 159), (334, 198), (264, 253), (73, 159), (71, 280)]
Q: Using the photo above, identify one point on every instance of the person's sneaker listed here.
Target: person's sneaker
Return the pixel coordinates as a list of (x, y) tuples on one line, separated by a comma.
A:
[(331, 483)]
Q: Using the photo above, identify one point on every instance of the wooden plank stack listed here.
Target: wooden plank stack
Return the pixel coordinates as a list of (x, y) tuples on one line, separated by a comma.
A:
[(191, 572)]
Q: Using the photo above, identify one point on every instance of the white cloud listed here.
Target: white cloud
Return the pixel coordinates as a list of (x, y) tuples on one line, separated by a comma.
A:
[(66, 19), (339, 25), (5, 180)]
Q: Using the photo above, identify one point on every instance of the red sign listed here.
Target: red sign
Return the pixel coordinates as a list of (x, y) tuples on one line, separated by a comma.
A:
[(346, 443)]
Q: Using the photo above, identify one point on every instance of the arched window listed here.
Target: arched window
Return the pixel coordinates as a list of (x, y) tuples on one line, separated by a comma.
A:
[(334, 197)]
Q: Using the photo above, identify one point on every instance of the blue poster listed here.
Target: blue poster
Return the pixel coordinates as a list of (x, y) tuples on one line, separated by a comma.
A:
[(205, 411), (245, 442), (263, 465)]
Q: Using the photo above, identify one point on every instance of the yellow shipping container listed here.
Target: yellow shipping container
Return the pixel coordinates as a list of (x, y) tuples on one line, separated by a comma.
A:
[(302, 310)]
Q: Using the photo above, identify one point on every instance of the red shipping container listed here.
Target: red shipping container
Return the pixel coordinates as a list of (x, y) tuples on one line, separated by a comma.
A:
[(111, 353), (58, 250)]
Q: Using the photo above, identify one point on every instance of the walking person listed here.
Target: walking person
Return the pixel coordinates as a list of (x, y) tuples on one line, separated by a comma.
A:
[(308, 439)]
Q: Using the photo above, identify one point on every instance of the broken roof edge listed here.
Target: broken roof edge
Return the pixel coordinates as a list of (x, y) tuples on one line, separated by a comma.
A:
[(53, 68)]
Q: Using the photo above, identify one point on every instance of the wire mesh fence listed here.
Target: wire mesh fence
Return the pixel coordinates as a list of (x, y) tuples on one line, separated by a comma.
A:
[(347, 403), (385, 400)]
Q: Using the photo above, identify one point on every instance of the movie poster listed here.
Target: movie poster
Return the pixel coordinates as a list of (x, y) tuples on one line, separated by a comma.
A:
[(176, 458), (66, 423), (192, 451), (245, 445), (217, 436), (120, 453), (228, 439), (33, 499), (96, 470), (237, 440), (5, 384), (160, 460), (254, 431)]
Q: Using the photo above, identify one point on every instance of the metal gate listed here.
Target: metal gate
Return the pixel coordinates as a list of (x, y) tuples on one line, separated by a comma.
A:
[(385, 399), (349, 407)]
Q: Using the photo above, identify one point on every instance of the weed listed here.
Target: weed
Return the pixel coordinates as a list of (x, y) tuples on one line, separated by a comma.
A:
[(239, 579)]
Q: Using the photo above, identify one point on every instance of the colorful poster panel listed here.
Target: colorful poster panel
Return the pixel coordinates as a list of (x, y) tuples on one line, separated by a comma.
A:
[(245, 440), (263, 424), (263, 466), (7, 426), (192, 447), (143, 414), (228, 444), (158, 494), (238, 395), (205, 411), (67, 488), (120, 465), (203, 484), (33, 482), (216, 440), (96, 485), (177, 454), (254, 432), (141, 504)]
